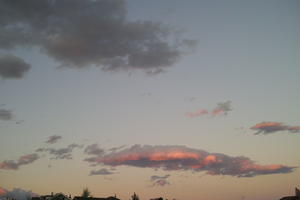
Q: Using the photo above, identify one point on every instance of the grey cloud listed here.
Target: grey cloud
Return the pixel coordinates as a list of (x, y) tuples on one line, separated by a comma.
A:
[(155, 177), (15, 164), (61, 153), (91, 32), (53, 139), (222, 108), (102, 171), (12, 67), (117, 148), (6, 115), (93, 149), (160, 180), (172, 158), (272, 127)]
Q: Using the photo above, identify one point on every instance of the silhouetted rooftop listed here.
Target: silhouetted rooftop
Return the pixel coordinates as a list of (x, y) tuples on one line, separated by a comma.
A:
[(296, 197)]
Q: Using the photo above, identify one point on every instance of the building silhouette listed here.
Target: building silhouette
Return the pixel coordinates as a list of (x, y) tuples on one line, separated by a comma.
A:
[(61, 196), (296, 197)]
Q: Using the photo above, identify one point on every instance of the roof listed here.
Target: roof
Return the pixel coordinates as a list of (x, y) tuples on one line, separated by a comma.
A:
[(94, 198)]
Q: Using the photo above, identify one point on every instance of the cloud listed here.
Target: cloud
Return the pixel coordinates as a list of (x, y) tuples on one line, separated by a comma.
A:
[(12, 67), (53, 139), (170, 158), (102, 171), (80, 33), (197, 113), (93, 149), (61, 153), (117, 148), (15, 164), (160, 180), (272, 127), (6, 115), (16, 193), (222, 108)]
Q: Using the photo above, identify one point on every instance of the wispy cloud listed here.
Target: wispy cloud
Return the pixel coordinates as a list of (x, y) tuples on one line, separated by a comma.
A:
[(160, 180), (15, 164), (222, 108), (102, 171), (93, 149), (12, 67), (60, 153), (183, 158), (6, 115), (84, 33), (117, 148), (273, 127), (53, 139), (197, 113)]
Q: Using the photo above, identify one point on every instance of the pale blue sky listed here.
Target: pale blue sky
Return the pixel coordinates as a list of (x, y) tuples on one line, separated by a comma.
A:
[(248, 52)]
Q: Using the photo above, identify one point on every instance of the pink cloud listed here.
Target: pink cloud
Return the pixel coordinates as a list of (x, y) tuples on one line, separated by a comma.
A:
[(221, 109), (197, 113), (272, 127), (183, 158), (15, 164)]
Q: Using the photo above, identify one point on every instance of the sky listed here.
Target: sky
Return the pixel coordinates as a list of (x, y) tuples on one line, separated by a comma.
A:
[(181, 99)]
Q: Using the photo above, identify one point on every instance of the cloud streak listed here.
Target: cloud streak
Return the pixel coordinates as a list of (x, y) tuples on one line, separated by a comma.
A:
[(16, 164), (160, 180), (222, 108), (273, 127), (53, 139), (102, 171), (93, 149), (197, 113), (91, 32), (60, 153), (12, 67), (172, 158)]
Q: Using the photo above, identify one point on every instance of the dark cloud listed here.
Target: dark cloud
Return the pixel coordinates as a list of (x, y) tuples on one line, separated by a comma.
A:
[(6, 115), (222, 108), (60, 153), (16, 193), (93, 149), (102, 171), (12, 67), (15, 164), (53, 139), (183, 158), (160, 180), (272, 127), (91, 32)]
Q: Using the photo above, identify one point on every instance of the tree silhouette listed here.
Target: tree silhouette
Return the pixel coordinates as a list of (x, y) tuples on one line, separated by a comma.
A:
[(86, 193), (135, 197)]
